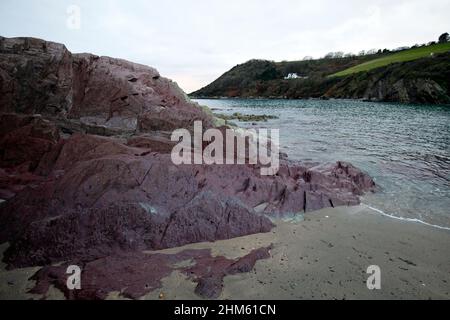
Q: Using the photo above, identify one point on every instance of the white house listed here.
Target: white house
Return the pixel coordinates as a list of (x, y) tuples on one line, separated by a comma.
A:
[(291, 76), (294, 76)]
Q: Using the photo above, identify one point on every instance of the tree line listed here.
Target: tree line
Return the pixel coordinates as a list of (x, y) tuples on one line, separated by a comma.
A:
[(443, 38)]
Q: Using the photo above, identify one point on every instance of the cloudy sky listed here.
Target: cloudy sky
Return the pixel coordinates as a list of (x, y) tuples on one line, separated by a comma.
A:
[(195, 41)]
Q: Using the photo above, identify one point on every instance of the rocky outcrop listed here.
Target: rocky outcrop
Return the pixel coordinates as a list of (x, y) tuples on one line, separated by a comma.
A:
[(407, 91), (105, 194), (35, 76), (86, 171), (423, 81), (40, 77), (25, 140)]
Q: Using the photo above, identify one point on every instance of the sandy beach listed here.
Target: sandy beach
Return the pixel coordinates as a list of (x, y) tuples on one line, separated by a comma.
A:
[(325, 255)]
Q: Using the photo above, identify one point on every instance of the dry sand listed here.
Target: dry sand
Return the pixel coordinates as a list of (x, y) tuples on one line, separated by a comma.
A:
[(324, 256)]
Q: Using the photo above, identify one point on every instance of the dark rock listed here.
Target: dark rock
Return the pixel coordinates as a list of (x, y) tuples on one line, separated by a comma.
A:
[(210, 271), (246, 117), (25, 139), (136, 274), (103, 195), (372, 87), (155, 143), (110, 196), (35, 76)]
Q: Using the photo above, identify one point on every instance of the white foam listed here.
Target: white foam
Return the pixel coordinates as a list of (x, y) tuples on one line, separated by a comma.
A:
[(405, 219)]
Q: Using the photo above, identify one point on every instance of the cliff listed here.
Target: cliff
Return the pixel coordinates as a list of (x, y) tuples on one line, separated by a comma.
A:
[(420, 81), (40, 77), (424, 81)]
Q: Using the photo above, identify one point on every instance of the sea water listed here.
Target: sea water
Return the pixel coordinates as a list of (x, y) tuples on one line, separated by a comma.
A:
[(405, 148)]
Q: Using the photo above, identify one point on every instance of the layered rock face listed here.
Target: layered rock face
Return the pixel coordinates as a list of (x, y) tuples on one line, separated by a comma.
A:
[(91, 175), (44, 77), (419, 81)]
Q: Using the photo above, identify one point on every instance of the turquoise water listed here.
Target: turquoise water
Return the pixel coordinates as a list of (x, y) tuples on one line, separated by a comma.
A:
[(405, 148)]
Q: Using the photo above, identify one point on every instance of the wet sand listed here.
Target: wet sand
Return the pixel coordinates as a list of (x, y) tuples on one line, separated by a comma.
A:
[(323, 256)]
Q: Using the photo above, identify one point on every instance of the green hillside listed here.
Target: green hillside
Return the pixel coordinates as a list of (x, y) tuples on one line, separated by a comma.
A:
[(408, 76), (406, 55)]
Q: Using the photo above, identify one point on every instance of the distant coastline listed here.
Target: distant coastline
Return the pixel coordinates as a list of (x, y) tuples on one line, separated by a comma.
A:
[(309, 99), (410, 76)]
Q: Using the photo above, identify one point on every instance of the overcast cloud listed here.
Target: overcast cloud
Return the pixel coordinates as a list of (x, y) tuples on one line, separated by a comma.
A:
[(194, 42)]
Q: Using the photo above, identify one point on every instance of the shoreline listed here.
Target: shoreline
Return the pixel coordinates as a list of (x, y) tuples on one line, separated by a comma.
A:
[(323, 256), (326, 255), (411, 220), (320, 99)]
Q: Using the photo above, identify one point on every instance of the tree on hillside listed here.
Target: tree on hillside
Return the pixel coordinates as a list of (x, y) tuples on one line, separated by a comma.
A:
[(334, 55), (444, 38)]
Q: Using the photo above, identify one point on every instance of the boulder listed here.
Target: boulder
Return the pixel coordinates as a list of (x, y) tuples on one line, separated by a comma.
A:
[(122, 94)]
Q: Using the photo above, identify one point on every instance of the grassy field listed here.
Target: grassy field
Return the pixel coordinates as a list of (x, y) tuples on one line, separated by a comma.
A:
[(406, 55)]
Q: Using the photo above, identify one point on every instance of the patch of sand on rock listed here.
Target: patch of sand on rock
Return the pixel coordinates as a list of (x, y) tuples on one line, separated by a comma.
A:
[(177, 286), (15, 284), (230, 249)]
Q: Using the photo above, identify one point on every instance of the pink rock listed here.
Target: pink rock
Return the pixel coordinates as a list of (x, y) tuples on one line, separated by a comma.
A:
[(78, 196), (37, 76), (136, 274), (103, 195)]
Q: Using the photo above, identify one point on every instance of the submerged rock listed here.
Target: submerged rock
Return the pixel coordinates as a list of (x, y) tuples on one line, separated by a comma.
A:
[(246, 117)]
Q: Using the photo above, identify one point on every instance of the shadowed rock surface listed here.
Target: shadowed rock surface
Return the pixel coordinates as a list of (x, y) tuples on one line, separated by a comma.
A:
[(101, 196), (90, 177), (208, 271)]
